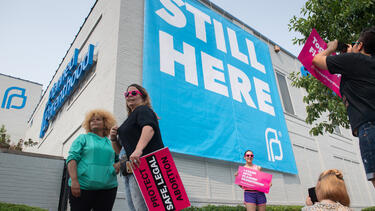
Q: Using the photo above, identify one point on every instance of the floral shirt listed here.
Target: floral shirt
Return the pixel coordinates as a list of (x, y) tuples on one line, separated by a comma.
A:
[(326, 207)]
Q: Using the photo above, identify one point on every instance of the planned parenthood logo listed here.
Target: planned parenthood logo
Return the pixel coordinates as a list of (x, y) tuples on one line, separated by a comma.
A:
[(271, 141), (14, 94)]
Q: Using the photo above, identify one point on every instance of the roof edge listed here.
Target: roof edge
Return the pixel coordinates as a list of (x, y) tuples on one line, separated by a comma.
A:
[(22, 79)]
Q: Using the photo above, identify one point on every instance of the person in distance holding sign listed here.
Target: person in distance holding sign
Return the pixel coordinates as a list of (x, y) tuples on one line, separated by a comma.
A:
[(253, 199)]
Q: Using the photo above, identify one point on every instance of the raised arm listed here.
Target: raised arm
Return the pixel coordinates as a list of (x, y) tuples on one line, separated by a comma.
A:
[(114, 140), (319, 60)]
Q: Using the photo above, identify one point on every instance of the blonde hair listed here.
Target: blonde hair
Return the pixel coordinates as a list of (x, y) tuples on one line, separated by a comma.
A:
[(108, 120), (145, 97), (331, 186)]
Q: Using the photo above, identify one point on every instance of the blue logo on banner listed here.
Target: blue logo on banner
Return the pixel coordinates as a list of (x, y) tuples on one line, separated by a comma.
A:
[(63, 88), (213, 86), (7, 100), (304, 71)]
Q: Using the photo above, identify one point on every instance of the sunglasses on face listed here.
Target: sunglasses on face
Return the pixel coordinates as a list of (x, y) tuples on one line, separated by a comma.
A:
[(354, 43), (132, 93), (248, 155)]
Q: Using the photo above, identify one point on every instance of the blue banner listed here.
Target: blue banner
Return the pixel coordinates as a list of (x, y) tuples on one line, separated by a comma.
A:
[(213, 86)]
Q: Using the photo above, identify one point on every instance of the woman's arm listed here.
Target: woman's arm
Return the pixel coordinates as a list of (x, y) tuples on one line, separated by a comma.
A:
[(74, 157), (116, 147), (72, 169), (146, 135), (113, 137)]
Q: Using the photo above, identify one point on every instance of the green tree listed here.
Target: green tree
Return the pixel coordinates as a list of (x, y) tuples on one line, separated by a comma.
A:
[(5, 141), (4, 137), (333, 19)]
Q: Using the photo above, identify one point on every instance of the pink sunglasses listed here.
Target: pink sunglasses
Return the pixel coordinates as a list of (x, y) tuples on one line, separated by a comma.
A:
[(132, 93)]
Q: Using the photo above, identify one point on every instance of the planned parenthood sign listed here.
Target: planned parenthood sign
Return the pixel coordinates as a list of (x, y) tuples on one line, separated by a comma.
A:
[(213, 86)]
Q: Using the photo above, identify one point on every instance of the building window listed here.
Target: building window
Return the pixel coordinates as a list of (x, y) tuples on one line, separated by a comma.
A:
[(285, 96)]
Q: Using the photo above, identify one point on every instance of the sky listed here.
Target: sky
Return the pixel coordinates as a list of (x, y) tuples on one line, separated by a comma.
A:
[(35, 35)]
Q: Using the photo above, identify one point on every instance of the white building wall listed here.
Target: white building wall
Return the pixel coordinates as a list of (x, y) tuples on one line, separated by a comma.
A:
[(118, 37), (16, 107), (130, 53), (95, 91)]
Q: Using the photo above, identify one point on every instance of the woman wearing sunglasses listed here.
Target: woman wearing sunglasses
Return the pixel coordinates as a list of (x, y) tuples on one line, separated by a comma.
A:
[(139, 135), (253, 199)]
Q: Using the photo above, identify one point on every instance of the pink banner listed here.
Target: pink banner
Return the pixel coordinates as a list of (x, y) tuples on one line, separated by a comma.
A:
[(315, 44), (253, 179), (160, 183)]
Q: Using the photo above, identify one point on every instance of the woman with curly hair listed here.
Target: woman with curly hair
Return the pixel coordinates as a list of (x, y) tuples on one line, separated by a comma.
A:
[(91, 165), (331, 193)]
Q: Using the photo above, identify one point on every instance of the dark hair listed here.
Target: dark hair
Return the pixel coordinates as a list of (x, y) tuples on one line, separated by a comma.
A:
[(367, 37), (145, 96), (247, 151)]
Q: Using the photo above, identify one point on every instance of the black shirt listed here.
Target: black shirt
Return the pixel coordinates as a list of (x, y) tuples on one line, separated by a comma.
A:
[(357, 85), (130, 131)]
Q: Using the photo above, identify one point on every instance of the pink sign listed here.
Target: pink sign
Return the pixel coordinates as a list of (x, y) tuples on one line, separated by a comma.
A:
[(315, 44), (253, 179), (160, 183)]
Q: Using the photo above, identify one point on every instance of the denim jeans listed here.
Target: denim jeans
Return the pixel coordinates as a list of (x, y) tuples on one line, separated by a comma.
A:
[(133, 196), (366, 134)]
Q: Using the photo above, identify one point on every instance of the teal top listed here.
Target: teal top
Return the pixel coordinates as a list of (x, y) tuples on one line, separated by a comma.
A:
[(95, 158)]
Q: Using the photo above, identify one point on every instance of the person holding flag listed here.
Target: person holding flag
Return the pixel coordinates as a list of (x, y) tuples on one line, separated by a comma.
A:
[(357, 88)]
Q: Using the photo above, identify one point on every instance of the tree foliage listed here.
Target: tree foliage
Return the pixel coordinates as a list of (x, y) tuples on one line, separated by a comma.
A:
[(4, 137), (333, 19), (5, 141)]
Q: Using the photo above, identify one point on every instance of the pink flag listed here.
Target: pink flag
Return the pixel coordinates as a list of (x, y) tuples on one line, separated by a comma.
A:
[(315, 44), (253, 179), (160, 183)]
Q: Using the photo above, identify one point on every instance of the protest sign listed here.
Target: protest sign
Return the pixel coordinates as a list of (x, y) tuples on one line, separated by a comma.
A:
[(253, 179), (160, 183), (314, 45)]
